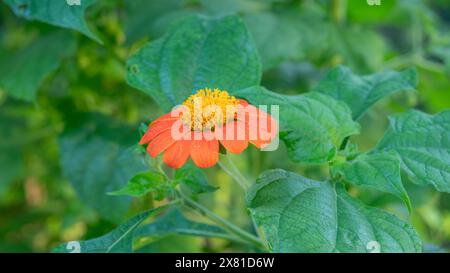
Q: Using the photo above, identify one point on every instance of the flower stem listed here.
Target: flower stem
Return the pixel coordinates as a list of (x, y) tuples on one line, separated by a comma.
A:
[(246, 236), (234, 172)]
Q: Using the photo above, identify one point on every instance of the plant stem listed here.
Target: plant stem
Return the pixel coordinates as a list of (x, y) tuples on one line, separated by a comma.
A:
[(234, 172), (339, 11), (246, 236)]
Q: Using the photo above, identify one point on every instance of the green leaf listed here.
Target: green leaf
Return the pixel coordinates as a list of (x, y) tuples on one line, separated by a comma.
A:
[(361, 92), (11, 166), (423, 143), (174, 222), (380, 171), (312, 125), (360, 48), (195, 53), (174, 244), (55, 12), (220, 7), (143, 183), (155, 15), (96, 158), (302, 215), (289, 35), (194, 179), (11, 161), (23, 71), (120, 240)]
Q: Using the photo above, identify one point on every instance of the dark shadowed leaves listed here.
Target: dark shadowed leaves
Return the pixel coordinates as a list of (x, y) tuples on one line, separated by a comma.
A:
[(120, 240), (97, 157), (22, 71), (174, 222)]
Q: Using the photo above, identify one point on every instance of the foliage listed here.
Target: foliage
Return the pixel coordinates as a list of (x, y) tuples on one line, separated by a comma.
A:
[(357, 170)]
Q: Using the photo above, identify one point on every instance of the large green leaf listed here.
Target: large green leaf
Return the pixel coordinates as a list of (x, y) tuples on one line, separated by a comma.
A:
[(197, 52), (423, 143), (22, 72), (302, 215), (361, 92), (62, 13), (120, 240), (155, 15), (174, 222), (312, 125), (96, 158), (289, 35), (380, 171)]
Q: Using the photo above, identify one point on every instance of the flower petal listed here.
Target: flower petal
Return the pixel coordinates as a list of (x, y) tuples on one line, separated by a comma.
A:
[(155, 129), (204, 153), (261, 127), (176, 155), (160, 143), (234, 137)]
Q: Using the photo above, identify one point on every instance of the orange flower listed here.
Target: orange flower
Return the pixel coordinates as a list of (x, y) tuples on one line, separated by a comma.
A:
[(208, 119)]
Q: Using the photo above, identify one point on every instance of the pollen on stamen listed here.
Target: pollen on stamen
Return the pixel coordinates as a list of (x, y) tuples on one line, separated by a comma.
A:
[(209, 108)]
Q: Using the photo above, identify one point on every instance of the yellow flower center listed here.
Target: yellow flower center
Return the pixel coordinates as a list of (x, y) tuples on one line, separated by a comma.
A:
[(209, 108)]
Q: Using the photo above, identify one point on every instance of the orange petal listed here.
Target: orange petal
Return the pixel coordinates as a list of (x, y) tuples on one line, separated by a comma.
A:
[(243, 102), (161, 142), (205, 153), (261, 127), (234, 137), (155, 129), (177, 154), (165, 117)]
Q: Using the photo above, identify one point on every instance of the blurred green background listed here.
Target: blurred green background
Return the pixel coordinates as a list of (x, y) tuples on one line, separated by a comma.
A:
[(69, 75)]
